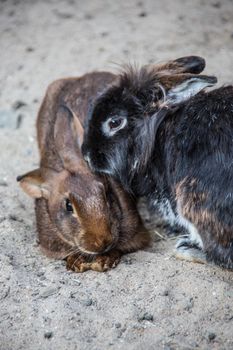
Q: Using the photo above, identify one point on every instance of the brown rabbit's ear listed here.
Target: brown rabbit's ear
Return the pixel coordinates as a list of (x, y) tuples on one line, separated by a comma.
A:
[(181, 87), (78, 129), (66, 131), (34, 185), (187, 64)]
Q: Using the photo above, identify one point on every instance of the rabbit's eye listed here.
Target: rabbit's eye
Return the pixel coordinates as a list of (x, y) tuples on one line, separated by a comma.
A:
[(69, 206), (112, 125), (115, 123)]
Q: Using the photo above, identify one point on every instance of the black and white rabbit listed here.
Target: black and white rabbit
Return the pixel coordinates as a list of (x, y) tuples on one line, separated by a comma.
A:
[(164, 138)]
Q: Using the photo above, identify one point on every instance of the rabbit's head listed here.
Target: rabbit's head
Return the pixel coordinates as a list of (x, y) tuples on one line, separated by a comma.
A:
[(123, 123), (87, 212)]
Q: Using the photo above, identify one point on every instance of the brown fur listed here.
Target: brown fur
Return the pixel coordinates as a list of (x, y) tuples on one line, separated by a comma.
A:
[(104, 219)]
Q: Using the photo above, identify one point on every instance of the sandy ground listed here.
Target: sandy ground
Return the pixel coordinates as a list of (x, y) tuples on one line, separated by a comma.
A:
[(151, 300)]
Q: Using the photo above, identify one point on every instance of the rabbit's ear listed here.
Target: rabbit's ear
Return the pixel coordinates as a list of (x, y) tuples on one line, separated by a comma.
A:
[(79, 129), (34, 184), (187, 64), (181, 87), (65, 132)]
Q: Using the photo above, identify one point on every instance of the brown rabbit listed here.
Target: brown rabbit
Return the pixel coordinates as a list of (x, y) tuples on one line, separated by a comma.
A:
[(81, 217)]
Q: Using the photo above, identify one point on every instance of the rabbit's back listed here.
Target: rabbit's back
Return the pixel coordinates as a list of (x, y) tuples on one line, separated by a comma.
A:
[(207, 122)]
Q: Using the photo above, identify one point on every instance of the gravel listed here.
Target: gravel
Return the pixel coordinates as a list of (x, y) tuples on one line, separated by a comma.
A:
[(43, 306)]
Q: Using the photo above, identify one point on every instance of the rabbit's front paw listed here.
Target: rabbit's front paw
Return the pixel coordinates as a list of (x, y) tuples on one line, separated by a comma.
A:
[(100, 263), (188, 250), (107, 261)]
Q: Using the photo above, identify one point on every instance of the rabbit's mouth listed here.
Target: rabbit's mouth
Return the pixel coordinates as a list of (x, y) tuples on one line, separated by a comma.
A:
[(84, 250), (100, 167)]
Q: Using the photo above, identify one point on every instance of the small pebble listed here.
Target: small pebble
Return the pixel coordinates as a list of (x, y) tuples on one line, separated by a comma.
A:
[(118, 325), (217, 4), (165, 293), (48, 335), (128, 261), (211, 336), (88, 302), (146, 317), (13, 217), (40, 273), (77, 281), (142, 14), (48, 292), (18, 104), (30, 49), (72, 295), (172, 334), (19, 121)]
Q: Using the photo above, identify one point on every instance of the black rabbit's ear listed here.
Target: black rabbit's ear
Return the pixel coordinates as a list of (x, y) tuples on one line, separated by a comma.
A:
[(181, 87), (187, 64)]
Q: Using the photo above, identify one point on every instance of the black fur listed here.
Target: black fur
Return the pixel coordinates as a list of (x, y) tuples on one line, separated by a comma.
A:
[(184, 156)]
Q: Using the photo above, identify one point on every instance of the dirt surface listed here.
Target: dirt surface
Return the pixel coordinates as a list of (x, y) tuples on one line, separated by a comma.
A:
[(151, 300)]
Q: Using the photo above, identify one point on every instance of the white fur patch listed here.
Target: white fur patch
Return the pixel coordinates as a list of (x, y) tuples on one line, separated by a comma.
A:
[(164, 207), (194, 235)]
